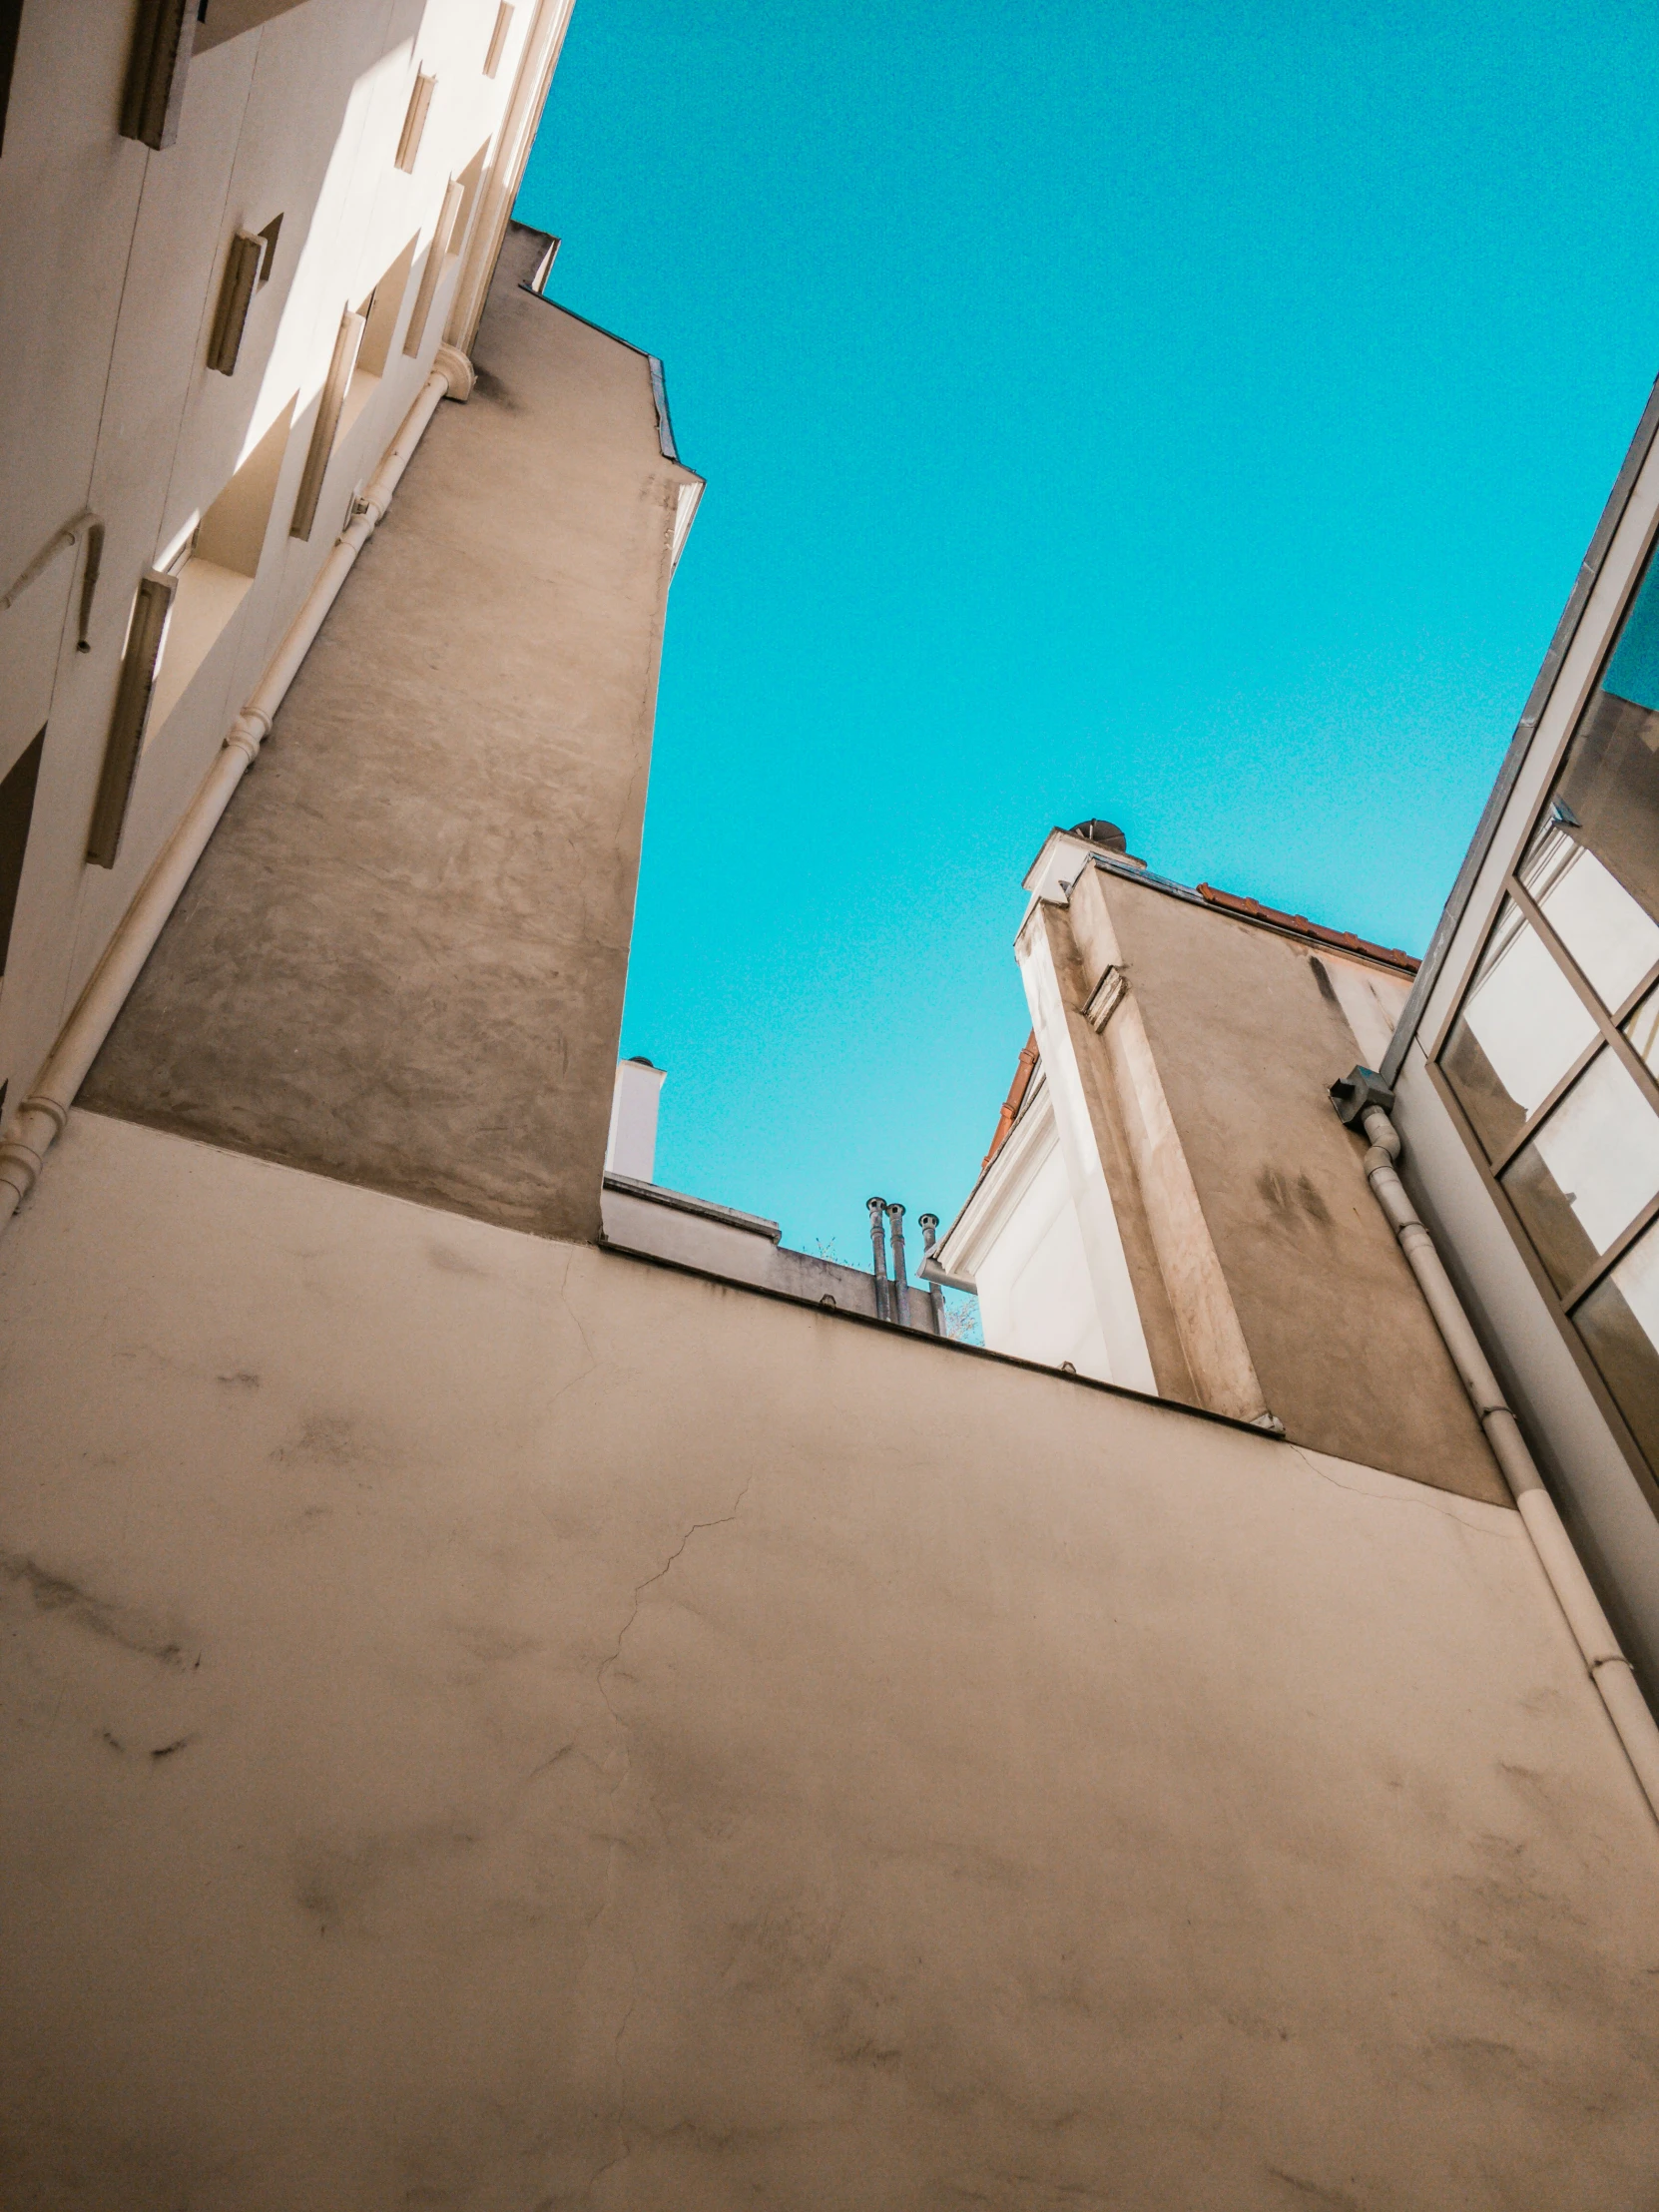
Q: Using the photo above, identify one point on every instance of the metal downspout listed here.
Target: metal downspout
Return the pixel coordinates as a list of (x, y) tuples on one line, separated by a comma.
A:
[(1359, 1099)]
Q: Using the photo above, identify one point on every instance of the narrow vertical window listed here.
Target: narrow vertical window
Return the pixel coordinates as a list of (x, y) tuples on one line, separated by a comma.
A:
[(330, 402), (236, 296), (437, 257), (17, 806), (218, 570), (146, 636), (154, 97), (498, 39), (414, 123), (11, 22)]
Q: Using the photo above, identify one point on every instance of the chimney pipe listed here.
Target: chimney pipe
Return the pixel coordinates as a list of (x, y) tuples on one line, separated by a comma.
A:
[(901, 1283), (930, 1227), (630, 1149), (877, 1222)]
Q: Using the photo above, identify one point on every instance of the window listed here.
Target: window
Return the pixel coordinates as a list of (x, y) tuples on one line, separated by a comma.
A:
[(181, 609), (11, 22), (498, 39), (236, 296), (380, 313), (145, 640), (414, 123), (220, 560), (1553, 1053), (437, 257), (17, 806), (153, 97), (331, 400)]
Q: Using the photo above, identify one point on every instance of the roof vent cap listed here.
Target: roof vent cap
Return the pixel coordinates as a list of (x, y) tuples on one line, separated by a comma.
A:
[(1106, 834)]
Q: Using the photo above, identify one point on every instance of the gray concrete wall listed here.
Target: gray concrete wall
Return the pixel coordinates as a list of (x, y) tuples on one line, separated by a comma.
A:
[(402, 960), (1247, 1044), (491, 1724)]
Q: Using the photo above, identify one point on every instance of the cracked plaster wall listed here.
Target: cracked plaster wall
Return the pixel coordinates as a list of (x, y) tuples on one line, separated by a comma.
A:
[(492, 1724)]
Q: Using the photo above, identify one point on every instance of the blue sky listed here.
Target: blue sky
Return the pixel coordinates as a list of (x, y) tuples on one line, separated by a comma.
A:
[(1188, 414)]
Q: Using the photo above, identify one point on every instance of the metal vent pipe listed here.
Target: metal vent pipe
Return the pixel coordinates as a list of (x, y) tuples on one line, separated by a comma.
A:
[(878, 1246), (929, 1226), (900, 1281)]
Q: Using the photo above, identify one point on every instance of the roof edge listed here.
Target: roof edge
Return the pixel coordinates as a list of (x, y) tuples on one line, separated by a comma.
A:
[(706, 1209)]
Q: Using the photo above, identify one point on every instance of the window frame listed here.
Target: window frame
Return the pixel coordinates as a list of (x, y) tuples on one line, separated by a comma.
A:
[(1609, 1034)]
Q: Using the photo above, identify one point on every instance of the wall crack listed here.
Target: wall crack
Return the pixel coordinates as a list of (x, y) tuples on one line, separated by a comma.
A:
[(719, 1520)]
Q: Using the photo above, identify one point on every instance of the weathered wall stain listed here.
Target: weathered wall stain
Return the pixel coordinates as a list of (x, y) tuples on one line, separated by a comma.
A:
[(1348, 1356), (1293, 1198), (125, 1625)]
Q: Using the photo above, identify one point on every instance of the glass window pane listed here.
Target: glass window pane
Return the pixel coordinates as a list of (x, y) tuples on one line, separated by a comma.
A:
[(1613, 939), (1643, 1029), (1521, 1028), (1588, 1172), (1609, 783), (1619, 1321)]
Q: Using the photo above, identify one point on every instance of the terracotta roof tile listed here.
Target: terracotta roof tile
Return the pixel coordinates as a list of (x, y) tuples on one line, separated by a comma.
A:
[(1015, 1099), (1298, 925)]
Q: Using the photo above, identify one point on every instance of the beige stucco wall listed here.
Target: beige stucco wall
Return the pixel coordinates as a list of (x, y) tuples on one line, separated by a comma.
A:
[(495, 1724), (1245, 1041), (401, 959)]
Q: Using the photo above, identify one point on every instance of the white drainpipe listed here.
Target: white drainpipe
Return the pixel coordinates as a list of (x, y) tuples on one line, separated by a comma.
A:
[(1609, 1669), (41, 1117)]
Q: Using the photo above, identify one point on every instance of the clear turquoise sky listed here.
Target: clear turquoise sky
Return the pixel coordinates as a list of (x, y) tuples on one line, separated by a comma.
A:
[(1188, 414)]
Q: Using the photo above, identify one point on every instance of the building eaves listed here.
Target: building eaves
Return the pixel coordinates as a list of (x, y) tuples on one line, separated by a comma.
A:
[(991, 1172), (659, 380), (1264, 917), (1298, 925), (1023, 1072)]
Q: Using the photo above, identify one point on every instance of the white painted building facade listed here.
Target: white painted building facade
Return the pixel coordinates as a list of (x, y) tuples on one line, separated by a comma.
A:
[(211, 345)]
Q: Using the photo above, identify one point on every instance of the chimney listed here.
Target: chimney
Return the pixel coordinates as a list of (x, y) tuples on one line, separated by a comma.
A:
[(630, 1149), (1065, 855)]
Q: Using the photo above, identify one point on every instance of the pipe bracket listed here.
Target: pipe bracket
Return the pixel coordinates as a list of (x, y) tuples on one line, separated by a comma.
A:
[(57, 1114), (456, 371)]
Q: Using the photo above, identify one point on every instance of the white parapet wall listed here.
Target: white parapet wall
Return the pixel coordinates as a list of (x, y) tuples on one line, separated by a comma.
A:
[(492, 1722)]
